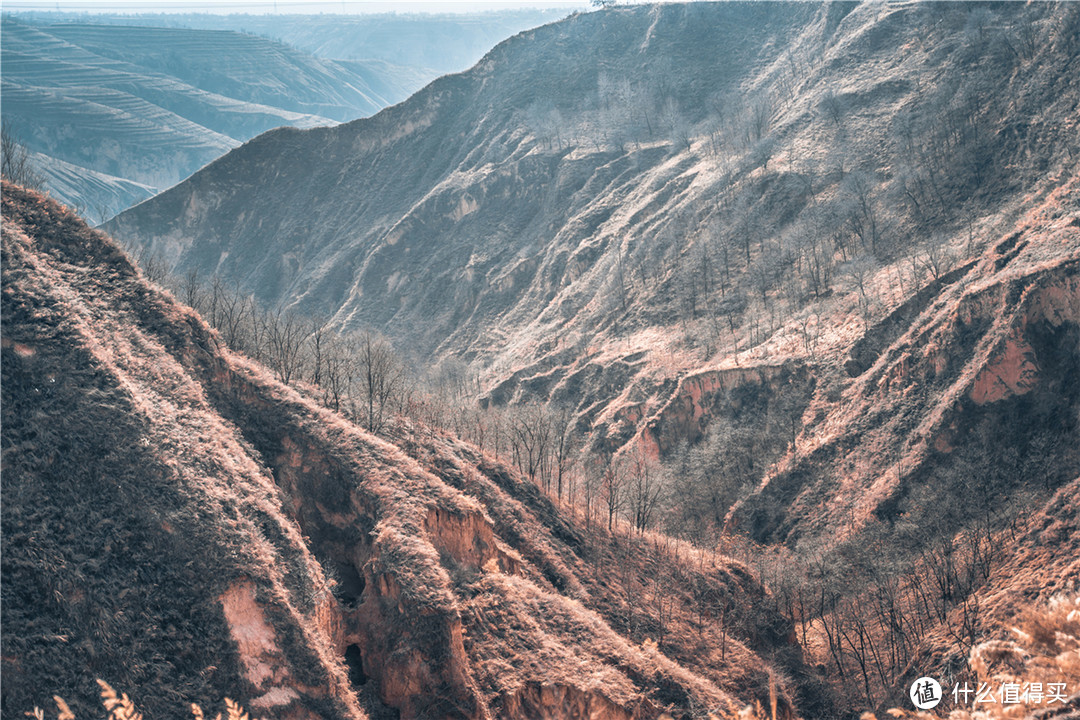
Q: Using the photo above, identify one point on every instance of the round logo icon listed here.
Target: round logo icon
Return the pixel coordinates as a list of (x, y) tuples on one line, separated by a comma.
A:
[(925, 693)]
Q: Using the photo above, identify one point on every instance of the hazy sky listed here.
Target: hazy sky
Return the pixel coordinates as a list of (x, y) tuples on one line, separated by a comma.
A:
[(282, 6)]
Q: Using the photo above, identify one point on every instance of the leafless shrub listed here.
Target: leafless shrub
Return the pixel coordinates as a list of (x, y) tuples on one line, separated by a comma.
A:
[(15, 162)]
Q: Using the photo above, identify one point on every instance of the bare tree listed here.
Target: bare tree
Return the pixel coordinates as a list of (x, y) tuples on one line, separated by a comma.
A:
[(319, 342), (861, 209), (563, 446), (936, 256), (810, 330), (761, 153), (381, 378), (285, 335), (546, 122), (530, 442), (191, 289), (337, 371), (759, 112), (153, 266), (677, 126), (857, 275), (592, 482), (616, 101), (15, 163), (612, 483), (834, 107), (645, 488), (232, 309)]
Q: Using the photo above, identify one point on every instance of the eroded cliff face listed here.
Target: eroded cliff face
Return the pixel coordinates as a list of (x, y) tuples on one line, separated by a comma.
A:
[(982, 382), (702, 397), (1049, 306), (447, 612), (333, 570), (453, 614), (266, 668)]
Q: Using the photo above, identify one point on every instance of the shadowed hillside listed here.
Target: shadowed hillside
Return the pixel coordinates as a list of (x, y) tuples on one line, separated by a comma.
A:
[(181, 525), (140, 532)]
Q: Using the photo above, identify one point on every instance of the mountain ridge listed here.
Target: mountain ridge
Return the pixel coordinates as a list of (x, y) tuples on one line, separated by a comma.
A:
[(536, 237)]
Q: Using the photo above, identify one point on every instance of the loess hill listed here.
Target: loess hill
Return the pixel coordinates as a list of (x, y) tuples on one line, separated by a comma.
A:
[(181, 525), (625, 196)]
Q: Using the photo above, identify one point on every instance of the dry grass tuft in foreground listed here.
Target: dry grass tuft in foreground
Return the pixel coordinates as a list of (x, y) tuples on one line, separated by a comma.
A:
[(121, 707), (1045, 652)]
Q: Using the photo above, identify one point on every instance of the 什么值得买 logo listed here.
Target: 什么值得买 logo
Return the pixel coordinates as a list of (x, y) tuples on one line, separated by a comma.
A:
[(925, 693)]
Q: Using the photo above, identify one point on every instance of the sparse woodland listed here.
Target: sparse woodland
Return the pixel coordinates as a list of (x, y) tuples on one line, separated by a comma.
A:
[(177, 465), (16, 162), (364, 377)]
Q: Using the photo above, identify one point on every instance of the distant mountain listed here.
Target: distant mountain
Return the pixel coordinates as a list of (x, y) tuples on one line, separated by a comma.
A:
[(152, 105), (184, 527), (439, 42)]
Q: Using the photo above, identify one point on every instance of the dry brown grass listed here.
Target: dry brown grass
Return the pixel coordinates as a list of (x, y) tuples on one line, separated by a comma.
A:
[(1044, 649), (129, 503), (119, 706)]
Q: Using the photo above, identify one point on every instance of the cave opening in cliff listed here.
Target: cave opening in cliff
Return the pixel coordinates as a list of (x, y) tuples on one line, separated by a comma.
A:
[(354, 660), (350, 585)]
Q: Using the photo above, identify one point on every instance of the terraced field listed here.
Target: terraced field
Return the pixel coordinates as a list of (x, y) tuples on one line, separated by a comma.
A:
[(149, 106)]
